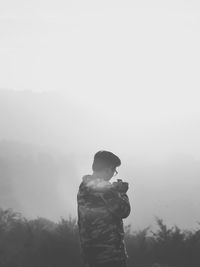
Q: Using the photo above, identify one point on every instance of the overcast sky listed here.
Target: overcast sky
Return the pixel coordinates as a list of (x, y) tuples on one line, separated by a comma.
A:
[(133, 61), (125, 75)]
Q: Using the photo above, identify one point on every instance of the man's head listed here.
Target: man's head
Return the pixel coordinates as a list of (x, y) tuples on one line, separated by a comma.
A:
[(105, 164)]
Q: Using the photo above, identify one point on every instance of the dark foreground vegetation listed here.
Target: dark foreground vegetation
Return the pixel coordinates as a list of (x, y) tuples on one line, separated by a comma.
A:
[(42, 243)]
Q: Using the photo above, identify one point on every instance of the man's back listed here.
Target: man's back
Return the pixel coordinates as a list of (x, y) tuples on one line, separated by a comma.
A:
[(101, 208)]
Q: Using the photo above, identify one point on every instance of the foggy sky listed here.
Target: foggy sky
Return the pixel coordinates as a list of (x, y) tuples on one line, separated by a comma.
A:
[(78, 77), (48, 143)]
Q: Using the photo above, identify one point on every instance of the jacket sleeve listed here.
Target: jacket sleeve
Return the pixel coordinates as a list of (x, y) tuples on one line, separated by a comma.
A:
[(117, 203)]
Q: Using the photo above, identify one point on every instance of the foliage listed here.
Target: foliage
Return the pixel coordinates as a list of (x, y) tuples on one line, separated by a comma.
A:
[(42, 243)]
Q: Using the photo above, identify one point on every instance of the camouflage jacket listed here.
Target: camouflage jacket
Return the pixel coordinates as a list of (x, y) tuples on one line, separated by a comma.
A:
[(101, 209)]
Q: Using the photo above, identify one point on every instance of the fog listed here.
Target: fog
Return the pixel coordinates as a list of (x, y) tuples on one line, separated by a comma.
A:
[(80, 77), (48, 142)]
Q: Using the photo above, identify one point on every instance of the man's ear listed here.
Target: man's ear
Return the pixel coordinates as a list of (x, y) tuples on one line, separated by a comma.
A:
[(107, 169)]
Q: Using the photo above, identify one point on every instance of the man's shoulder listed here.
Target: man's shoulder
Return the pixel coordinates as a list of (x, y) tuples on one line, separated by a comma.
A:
[(94, 184)]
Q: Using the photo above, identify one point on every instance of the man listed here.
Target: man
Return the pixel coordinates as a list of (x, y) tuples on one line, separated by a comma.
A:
[(101, 208)]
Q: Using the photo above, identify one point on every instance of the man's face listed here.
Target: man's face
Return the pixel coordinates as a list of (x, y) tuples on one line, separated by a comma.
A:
[(110, 172)]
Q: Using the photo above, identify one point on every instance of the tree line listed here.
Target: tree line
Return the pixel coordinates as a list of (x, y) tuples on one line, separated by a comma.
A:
[(43, 243)]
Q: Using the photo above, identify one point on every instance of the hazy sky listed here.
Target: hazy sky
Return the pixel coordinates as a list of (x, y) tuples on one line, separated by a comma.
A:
[(125, 76), (134, 62)]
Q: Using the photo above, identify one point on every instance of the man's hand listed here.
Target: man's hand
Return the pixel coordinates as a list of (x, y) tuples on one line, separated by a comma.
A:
[(120, 186)]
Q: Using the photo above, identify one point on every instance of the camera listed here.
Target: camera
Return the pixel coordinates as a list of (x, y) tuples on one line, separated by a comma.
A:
[(120, 186)]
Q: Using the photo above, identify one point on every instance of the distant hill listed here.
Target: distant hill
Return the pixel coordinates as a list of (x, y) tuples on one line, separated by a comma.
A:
[(46, 119), (36, 181)]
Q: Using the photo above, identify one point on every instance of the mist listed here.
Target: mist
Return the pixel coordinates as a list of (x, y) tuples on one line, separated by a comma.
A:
[(48, 142), (81, 77)]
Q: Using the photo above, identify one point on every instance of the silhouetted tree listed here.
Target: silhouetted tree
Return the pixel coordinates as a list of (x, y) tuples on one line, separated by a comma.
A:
[(43, 243)]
